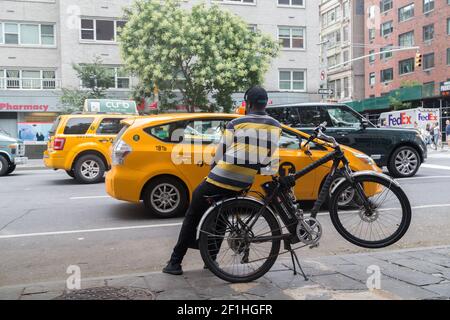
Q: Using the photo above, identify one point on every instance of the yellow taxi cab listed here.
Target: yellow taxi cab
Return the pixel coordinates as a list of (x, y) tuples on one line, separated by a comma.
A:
[(80, 143), (152, 162)]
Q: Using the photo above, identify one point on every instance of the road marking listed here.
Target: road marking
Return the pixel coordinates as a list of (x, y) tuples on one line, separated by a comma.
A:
[(166, 225), (25, 235), (418, 178), (435, 166), (91, 197)]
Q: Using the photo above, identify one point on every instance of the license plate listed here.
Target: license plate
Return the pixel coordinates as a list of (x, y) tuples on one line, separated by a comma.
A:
[(20, 160)]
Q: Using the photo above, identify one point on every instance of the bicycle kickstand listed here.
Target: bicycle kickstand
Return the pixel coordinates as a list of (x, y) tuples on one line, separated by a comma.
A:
[(295, 262)]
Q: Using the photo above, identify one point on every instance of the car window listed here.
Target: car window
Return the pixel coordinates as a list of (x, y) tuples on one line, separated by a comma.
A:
[(342, 118), (110, 126), (288, 116), (312, 116), (201, 131), (54, 127), (78, 125)]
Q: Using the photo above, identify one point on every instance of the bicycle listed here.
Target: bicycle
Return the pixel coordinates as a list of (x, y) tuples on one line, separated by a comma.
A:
[(240, 237)]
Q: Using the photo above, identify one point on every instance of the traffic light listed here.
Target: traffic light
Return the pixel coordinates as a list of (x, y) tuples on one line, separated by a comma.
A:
[(418, 60)]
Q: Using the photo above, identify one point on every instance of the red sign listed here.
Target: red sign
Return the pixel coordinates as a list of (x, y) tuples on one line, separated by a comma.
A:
[(23, 107)]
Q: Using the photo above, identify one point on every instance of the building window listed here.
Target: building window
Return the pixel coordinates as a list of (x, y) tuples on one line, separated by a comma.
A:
[(120, 79), (28, 79), (253, 27), (372, 34), (346, 87), (448, 26), (346, 55), (332, 39), (372, 56), (292, 37), (387, 75), (291, 3), (101, 30), (428, 61), (346, 9), (406, 66), (428, 5), (428, 32), (372, 79), (292, 80), (237, 1), (330, 17), (406, 39), (406, 12), (345, 33), (334, 60), (386, 55), (27, 34), (448, 55), (428, 89), (386, 5), (387, 28)]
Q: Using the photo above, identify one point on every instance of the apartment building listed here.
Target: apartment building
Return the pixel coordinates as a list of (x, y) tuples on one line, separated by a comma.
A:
[(407, 23), (341, 22), (41, 39)]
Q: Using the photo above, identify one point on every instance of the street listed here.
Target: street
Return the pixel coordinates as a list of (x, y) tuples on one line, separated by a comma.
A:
[(48, 222)]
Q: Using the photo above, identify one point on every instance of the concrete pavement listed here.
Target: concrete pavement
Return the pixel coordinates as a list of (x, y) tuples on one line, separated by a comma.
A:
[(404, 274)]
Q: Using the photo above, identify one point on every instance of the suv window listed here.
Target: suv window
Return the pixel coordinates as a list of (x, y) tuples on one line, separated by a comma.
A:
[(78, 125), (110, 126), (285, 115), (312, 116), (54, 127), (342, 117), (206, 131)]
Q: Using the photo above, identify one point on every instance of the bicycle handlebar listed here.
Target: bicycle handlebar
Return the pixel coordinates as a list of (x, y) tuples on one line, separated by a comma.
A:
[(319, 133)]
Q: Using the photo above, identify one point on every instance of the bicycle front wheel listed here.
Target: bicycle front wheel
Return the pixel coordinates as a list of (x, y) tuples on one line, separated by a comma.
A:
[(236, 250), (382, 222)]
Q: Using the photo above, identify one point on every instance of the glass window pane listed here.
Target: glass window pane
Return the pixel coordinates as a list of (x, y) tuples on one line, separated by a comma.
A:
[(285, 75), (11, 28), (105, 30), (284, 32), (123, 83), (297, 2), (87, 24), (87, 34), (297, 32), (48, 74), (285, 85), (47, 34), (1, 39), (78, 125), (298, 76), (296, 85), (110, 126), (297, 43), (29, 34), (283, 2), (31, 74)]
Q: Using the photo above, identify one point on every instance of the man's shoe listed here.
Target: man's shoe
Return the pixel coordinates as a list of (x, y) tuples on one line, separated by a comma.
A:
[(173, 268)]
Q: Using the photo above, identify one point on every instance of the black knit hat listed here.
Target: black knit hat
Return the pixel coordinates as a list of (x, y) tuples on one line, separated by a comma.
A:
[(256, 95)]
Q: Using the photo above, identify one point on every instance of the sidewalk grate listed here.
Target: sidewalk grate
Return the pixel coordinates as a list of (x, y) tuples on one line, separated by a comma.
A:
[(108, 293)]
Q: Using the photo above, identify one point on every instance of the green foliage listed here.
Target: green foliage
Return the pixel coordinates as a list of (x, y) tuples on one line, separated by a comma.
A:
[(397, 104), (206, 51), (96, 79)]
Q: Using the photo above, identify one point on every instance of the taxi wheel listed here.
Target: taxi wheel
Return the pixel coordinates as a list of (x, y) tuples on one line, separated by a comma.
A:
[(165, 197), (4, 165), (70, 173), (89, 169)]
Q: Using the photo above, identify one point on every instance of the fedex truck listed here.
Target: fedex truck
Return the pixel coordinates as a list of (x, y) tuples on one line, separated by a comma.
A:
[(412, 118)]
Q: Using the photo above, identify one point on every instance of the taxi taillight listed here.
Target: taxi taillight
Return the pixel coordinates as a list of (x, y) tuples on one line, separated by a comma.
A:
[(58, 144)]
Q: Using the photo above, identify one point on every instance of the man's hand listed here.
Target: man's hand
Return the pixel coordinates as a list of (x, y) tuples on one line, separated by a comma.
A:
[(287, 181)]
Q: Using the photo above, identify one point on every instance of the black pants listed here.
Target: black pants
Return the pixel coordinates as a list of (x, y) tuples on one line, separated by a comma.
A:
[(198, 206)]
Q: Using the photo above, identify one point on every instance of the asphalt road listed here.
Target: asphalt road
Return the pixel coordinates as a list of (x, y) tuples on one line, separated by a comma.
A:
[(48, 222)]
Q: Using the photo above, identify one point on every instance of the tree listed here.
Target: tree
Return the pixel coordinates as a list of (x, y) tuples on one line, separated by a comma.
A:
[(96, 79), (203, 52)]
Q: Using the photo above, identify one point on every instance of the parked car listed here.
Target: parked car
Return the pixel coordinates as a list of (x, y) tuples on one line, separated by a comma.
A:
[(161, 160), (402, 151), (79, 144), (12, 152)]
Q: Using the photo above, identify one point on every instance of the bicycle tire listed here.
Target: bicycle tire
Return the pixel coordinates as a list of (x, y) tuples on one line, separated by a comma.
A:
[(209, 226), (396, 236)]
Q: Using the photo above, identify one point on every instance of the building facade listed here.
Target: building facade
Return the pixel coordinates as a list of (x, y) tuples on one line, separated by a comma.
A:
[(341, 22), (40, 40), (407, 23)]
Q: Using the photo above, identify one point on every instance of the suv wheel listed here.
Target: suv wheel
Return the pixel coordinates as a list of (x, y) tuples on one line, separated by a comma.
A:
[(11, 169), (404, 162), (4, 166), (89, 169), (165, 197)]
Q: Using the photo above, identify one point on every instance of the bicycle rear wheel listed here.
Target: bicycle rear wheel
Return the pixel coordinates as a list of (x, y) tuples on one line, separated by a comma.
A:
[(227, 243), (382, 224)]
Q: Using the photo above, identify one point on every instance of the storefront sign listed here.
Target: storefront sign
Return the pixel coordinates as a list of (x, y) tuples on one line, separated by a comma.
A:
[(110, 106), (445, 89), (24, 107)]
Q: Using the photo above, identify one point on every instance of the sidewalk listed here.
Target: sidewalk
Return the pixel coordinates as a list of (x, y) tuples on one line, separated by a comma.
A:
[(421, 273)]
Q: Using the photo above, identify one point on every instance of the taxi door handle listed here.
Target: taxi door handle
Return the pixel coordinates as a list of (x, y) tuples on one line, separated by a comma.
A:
[(103, 140)]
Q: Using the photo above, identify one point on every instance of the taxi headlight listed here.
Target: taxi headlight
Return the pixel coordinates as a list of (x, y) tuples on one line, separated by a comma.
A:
[(365, 158)]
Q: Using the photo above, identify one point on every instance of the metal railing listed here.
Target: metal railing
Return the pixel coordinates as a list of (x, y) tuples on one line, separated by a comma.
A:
[(29, 84)]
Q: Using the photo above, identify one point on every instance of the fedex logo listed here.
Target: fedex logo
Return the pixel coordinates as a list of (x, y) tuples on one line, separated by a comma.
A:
[(398, 121), (427, 117)]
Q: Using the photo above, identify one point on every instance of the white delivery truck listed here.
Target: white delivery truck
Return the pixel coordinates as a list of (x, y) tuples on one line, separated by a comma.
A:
[(412, 118)]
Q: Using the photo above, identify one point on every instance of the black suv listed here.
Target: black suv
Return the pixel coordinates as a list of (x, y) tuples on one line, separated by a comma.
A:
[(401, 150)]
